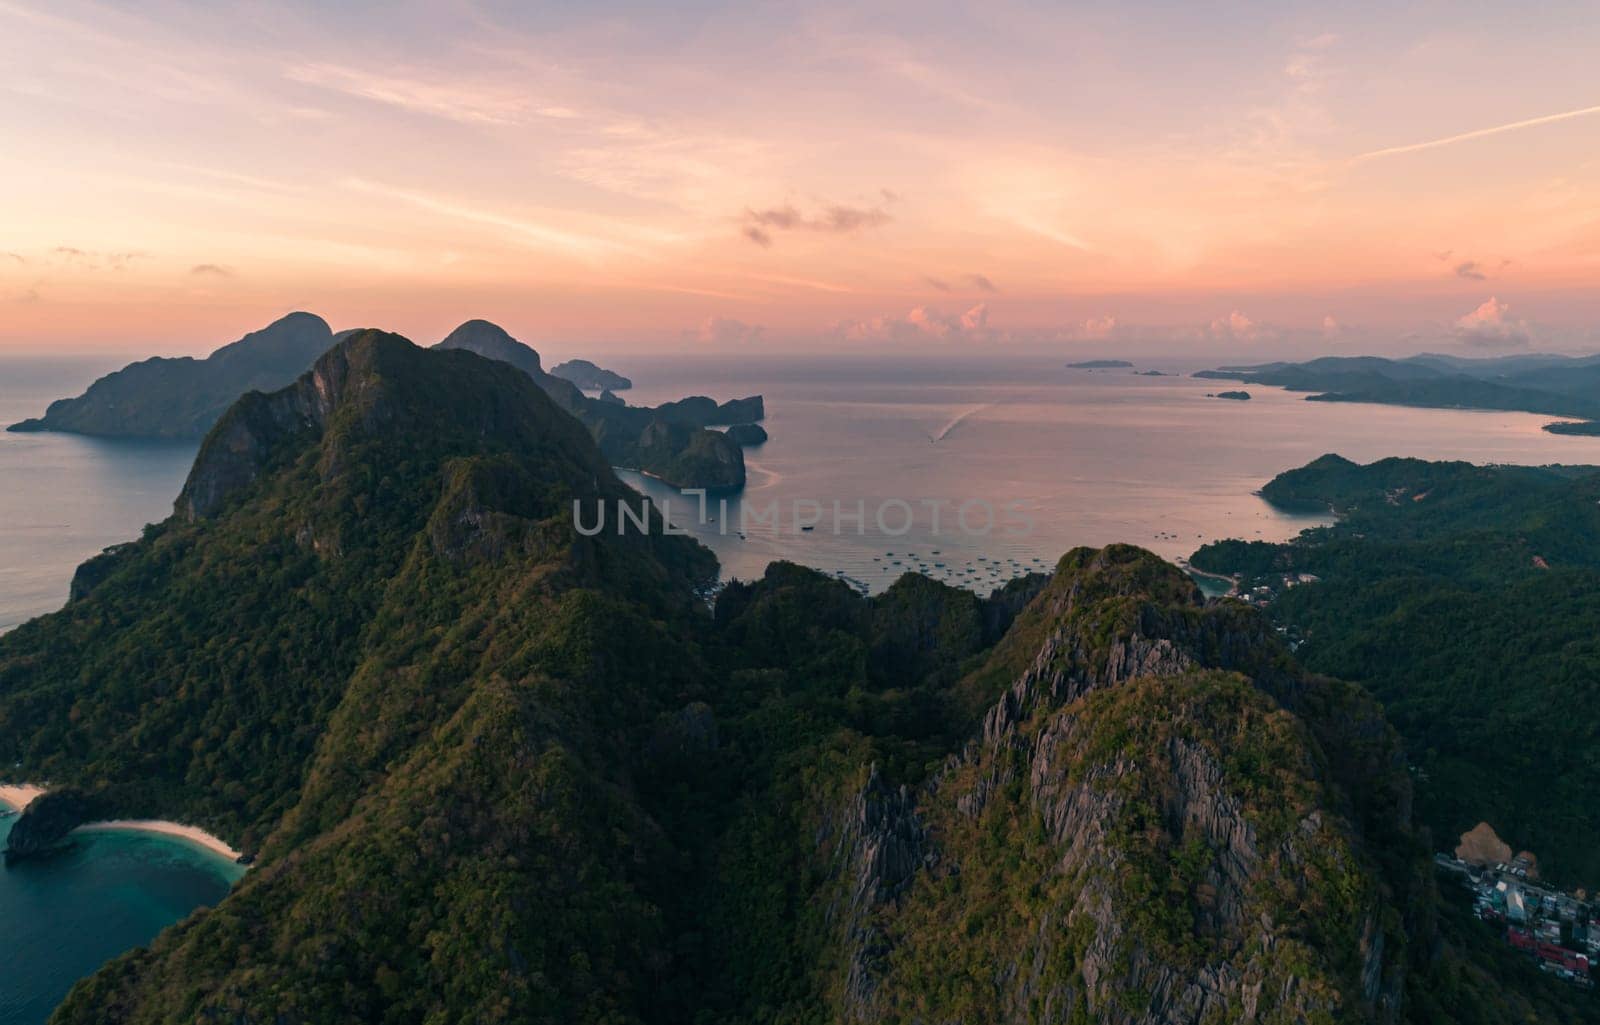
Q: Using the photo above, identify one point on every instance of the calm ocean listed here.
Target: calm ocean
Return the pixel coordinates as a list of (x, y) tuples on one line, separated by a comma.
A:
[(1091, 457), (63, 498), (1084, 457)]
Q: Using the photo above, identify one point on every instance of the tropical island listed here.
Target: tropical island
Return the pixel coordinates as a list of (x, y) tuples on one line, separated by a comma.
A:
[(590, 377), (183, 398), (747, 435), (495, 769), (671, 442), (1552, 385), (1237, 396)]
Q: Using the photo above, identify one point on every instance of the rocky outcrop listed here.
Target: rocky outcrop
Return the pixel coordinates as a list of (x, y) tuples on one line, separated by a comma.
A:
[(1166, 886), (243, 442), (44, 825), (689, 457), (746, 435), (590, 377), (882, 844), (92, 572)]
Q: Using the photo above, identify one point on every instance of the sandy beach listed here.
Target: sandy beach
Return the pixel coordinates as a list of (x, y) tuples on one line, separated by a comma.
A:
[(18, 796), (193, 834)]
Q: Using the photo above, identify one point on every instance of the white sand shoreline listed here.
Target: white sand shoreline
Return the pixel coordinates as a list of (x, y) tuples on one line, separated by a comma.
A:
[(18, 796), (193, 834)]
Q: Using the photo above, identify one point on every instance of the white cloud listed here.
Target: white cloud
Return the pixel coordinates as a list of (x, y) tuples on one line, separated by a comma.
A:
[(1097, 328), (1236, 327), (922, 323), (1491, 326), (453, 100)]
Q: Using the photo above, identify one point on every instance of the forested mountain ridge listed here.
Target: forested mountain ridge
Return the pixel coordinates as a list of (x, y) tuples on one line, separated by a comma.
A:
[(1467, 599), (306, 515), (496, 771), (668, 441), (1093, 841), (182, 398)]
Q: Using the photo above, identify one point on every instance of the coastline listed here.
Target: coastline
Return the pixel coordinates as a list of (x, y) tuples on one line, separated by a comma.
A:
[(1220, 578), (193, 834), (18, 796)]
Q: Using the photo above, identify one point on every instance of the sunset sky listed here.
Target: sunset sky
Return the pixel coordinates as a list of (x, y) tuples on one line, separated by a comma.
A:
[(1255, 178)]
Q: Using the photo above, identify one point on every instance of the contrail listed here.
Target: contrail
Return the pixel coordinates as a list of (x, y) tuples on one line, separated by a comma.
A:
[(1480, 133), (944, 431)]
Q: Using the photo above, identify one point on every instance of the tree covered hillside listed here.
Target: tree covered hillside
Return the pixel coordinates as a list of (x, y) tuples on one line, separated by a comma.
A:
[(495, 771), (1467, 599)]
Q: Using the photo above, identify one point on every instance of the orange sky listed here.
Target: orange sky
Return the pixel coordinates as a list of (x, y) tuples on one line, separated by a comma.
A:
[(1258, 177)]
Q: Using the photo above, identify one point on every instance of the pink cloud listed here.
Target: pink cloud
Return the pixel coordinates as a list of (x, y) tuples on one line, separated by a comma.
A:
[(1098, 328), (1490, 325), (726, 331), (922, 323), (1235, 326)]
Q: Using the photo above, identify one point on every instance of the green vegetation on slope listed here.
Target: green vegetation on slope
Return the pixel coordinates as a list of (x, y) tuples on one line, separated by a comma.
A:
[(669, 441), (1465, 598), (496, 771)]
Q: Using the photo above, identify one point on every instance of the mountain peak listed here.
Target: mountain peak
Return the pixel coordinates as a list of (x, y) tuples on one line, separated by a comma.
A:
[(493, 341), (378, 391)]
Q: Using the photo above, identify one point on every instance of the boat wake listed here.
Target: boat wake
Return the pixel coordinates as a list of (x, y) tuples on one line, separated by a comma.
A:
[(769, 477), (955, 421)]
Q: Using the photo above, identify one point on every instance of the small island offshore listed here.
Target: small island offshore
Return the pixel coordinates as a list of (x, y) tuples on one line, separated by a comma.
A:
[(183, 398), (1100, 364), (1237, 396), (590, 377), (1552, 385)]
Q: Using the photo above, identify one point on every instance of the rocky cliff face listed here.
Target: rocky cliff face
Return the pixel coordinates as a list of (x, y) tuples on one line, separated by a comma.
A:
[(44, 825), (242, 444), (879, 845), (1136, 834)]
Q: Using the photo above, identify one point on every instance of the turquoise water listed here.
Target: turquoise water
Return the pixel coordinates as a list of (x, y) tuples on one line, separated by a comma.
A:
[(64, 916)]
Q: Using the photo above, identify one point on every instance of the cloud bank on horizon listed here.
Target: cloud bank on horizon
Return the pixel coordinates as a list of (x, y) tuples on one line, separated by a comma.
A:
[(1250, 176)]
